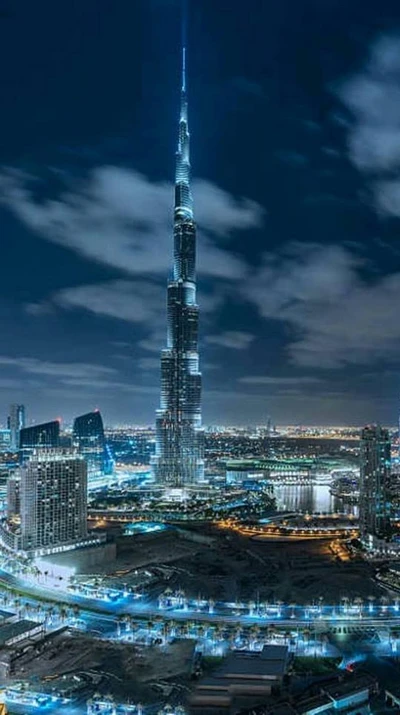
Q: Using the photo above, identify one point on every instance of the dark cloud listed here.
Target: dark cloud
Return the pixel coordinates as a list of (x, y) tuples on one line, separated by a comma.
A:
[(234, 339)]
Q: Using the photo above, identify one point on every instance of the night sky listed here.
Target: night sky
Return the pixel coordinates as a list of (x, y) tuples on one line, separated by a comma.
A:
[(295, 127)]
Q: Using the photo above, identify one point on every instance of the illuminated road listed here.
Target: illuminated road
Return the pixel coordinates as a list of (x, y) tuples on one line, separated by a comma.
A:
[(363, 615)]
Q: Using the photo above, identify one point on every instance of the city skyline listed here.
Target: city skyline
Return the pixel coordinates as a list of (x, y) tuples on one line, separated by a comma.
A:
[(295, 196)]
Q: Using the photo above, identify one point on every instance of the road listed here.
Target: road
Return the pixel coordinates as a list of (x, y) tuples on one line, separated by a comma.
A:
[(323, 616)]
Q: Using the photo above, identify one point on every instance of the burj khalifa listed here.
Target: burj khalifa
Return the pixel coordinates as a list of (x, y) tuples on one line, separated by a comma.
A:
[(178, 460)]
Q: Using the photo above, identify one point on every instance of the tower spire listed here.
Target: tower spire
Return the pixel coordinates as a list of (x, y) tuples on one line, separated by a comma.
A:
[(183, 69), (183, 196)]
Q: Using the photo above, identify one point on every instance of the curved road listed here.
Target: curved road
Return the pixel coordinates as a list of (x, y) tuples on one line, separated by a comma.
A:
[(378, 616)]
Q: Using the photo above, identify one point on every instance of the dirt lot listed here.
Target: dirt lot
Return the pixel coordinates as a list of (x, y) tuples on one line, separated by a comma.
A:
[(234, 567), (126, 670)]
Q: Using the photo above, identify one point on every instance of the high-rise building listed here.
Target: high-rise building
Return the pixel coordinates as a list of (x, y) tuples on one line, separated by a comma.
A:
[(5, 441), (16, 422), (375, 499), (45, 435), (13, 496), (178, 460), (53, 497), (88, 438)]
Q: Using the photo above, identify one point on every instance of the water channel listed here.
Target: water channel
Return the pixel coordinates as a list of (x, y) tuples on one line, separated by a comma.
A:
[(311, 499)]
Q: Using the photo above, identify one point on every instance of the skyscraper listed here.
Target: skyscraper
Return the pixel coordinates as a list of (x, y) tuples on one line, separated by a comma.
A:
[(53, 498), (43, 435), (375, 499), (88, 438), (178, 460), (16, 422)]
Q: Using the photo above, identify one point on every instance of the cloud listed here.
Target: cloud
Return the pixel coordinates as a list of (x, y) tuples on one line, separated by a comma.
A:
[(104, 385), (122, 219), (134, 301), (334, 315), (154, 342), (221, 213), (373, 98), (149, 363), (235, 339), (270, 380), (57, 369), (304, 273)]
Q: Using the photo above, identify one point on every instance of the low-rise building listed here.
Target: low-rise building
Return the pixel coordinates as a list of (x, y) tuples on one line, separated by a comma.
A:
[(12, 633), (242, 675), (347, 695)]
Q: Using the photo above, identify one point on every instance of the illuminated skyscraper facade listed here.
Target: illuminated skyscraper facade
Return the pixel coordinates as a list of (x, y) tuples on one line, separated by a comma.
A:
[(88, 438), (53, 494), (375, 493), (38, 436), (16, 422), (178, 460)]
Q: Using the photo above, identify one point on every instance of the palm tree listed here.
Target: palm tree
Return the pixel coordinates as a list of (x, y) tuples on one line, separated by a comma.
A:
[(371, 600), (252, 606), (384, 603), (149, 627), (254, 636), (200, 631), (121, 620), (359, 603), (219, 632), (172, 628), (306, 635)]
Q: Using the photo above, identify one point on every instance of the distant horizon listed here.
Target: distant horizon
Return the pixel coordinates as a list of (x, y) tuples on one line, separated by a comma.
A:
[(67, 424)]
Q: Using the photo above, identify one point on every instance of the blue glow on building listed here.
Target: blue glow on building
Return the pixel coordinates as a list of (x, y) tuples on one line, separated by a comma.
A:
[(144, 527)]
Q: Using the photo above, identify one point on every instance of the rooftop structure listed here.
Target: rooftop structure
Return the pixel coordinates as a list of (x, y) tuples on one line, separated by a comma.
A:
[(242, 674), (12, 633)]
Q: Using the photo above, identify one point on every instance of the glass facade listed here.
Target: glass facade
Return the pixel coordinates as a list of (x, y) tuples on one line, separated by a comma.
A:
[(375, 499), (16, 422), (44, 435), (178, 460), (53, 494), (88, 438)]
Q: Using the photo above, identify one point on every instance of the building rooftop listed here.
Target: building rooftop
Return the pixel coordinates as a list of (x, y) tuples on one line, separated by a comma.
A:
[(278, 709), (11, 630), (6, 615), (274, 652), (318, 703), (270, 663), (356, 683)]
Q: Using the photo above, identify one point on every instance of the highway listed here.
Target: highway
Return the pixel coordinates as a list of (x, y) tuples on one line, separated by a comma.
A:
[(364, 615)]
